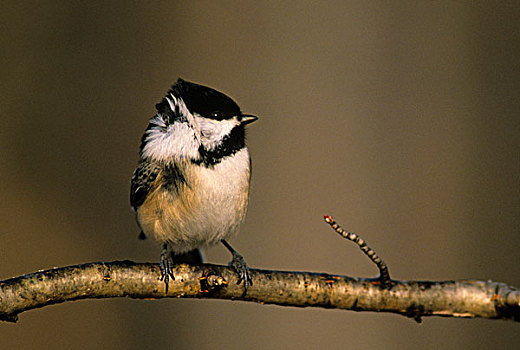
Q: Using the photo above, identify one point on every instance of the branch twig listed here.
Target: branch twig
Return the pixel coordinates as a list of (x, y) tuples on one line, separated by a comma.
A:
[(384, 275)]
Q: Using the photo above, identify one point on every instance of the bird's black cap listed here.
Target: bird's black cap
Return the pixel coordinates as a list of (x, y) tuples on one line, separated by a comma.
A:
[(205, 101)]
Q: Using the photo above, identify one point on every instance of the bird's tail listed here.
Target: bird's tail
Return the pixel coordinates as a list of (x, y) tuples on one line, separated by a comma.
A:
[(194, 256)]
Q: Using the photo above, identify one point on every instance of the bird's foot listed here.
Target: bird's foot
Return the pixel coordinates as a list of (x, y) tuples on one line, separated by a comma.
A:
[(239, 265), (166, 265)]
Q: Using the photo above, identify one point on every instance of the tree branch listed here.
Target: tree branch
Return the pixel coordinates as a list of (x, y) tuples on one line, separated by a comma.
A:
[(415, 299), (464, 298)]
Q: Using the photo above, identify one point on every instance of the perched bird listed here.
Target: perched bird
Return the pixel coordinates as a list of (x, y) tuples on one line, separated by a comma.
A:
[(191, 185)]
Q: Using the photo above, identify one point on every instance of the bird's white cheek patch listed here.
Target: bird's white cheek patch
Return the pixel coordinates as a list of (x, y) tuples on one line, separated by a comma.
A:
[(213, 131)]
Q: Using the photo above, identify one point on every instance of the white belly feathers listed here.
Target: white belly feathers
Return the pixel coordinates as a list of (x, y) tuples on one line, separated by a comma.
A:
[(209, 207)]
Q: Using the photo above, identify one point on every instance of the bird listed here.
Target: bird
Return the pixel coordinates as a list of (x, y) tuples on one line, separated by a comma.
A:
[(190, 189)]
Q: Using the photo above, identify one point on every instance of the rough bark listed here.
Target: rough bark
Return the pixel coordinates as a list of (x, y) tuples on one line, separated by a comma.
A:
[(415, 299)]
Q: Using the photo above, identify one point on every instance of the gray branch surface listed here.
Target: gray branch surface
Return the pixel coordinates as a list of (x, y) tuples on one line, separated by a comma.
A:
[(415, 299)]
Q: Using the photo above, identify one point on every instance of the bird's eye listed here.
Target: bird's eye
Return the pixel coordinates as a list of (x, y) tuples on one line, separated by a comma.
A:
[(239, 118), (216, 115)]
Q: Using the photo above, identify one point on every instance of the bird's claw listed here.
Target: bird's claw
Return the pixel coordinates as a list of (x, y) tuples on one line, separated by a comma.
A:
[(239, 265), (166, 265)]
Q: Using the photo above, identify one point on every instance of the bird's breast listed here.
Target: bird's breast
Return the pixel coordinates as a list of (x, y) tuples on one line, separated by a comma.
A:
[(206, 207)]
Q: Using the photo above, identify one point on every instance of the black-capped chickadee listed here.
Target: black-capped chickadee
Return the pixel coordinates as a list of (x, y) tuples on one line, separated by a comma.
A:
[(191, 186)]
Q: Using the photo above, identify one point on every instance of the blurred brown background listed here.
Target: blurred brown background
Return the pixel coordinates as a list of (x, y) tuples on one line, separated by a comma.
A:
[(400, 119)]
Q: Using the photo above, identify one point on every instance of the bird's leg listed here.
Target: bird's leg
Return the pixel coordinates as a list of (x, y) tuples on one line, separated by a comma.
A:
[(166, 265), (239, 265)]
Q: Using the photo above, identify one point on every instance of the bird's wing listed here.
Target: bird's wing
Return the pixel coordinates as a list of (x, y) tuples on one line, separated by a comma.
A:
[(142, 181)]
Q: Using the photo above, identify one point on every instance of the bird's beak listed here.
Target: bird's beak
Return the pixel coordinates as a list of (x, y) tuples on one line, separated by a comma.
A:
[(247, 119)]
